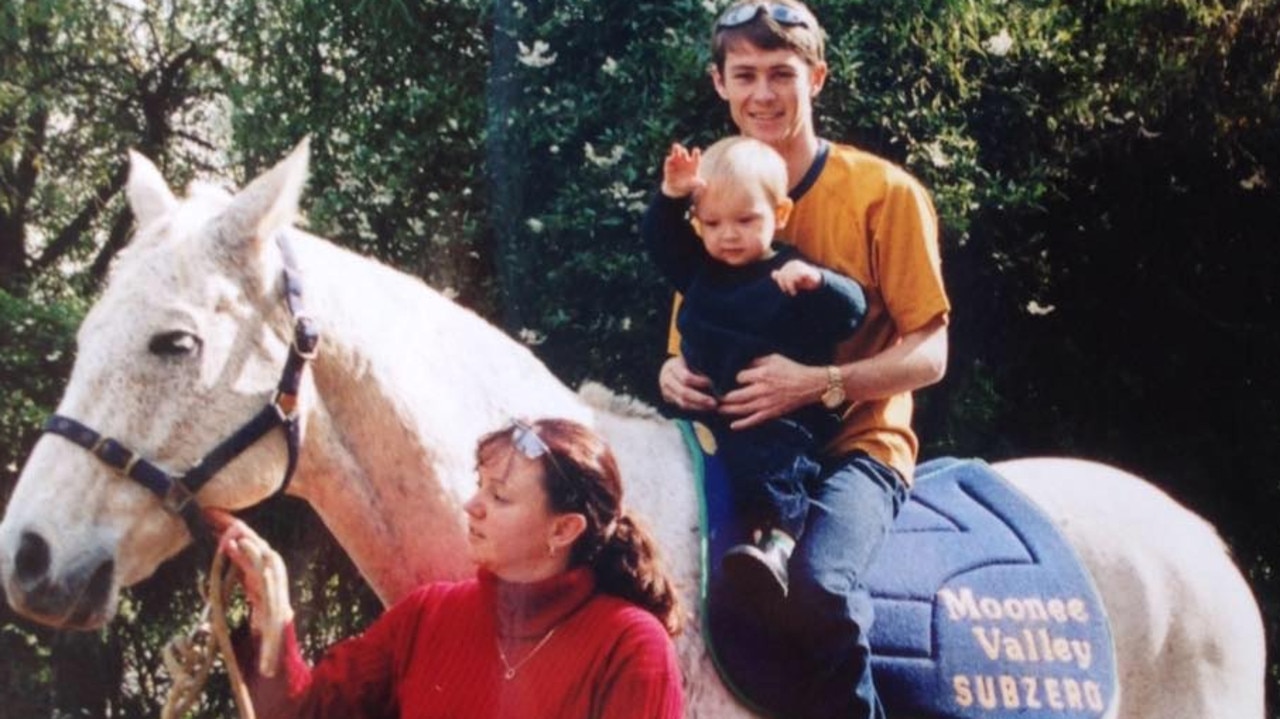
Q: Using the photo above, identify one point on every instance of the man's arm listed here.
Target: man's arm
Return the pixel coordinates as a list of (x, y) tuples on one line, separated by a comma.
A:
[(774, 385)]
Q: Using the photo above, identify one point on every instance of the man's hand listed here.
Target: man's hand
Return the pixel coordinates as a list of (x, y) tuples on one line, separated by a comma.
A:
[(683, 387), (797, 276), (680, 176), (770, 387)]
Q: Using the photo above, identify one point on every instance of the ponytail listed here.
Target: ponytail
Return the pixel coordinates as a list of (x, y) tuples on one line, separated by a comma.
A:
[(627, 566)]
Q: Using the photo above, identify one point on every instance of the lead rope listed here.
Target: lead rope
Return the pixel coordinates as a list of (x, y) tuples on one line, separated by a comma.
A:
[(189, 658)]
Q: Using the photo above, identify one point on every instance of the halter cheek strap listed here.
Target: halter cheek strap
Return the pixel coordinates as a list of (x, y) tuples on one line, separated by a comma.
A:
[(177, 492)]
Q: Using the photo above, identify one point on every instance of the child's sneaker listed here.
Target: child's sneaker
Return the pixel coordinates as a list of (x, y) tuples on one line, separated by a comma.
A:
[(759, 570)]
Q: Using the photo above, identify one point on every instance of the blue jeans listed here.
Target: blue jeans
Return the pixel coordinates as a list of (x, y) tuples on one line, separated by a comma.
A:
[(770, 468), (808, 658)]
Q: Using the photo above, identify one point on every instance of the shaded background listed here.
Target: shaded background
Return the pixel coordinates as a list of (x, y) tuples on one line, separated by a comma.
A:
[(1105, 172)]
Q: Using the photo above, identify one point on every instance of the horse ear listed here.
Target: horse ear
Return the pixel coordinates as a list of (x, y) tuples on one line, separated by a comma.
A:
[(149, 195), (270, 202)]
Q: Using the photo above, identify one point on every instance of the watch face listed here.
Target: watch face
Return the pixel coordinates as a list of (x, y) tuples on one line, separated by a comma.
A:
[(832, 398)]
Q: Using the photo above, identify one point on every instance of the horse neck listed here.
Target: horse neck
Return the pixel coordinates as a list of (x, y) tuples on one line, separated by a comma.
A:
[(406, 382)]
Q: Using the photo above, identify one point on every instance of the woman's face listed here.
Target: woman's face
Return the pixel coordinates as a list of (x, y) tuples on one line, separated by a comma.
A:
[(511, 528)]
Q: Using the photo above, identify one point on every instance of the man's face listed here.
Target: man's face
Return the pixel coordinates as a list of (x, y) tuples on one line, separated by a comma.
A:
[(770, 93)]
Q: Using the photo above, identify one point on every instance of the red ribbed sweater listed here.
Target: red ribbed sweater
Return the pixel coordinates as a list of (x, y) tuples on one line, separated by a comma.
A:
[(435, 654)]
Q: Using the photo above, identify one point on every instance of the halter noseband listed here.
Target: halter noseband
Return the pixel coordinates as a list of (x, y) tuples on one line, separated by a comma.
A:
[(177, 492)]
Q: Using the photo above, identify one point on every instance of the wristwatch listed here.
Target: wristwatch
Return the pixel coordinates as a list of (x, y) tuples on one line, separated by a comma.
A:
[(833, 396)]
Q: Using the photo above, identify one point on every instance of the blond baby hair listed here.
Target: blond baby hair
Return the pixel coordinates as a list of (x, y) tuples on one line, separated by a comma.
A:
[(742, 161)]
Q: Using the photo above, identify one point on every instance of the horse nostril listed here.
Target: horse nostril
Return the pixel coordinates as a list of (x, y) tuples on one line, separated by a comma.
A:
[(32, 560)]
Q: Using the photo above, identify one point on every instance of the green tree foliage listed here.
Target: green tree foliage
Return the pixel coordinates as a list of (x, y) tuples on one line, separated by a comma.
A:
[(34, 363), (581, 114), (81, 82), (35, 357), (393, 95)]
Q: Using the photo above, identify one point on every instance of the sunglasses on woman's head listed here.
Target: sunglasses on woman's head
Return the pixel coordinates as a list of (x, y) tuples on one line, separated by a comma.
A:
[(743, 14), (524, 437)]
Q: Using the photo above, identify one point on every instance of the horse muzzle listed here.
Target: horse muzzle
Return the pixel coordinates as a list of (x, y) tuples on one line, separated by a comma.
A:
[(79, 593)]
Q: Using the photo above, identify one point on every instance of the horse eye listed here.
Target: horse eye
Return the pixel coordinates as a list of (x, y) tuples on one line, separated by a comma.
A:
[(174, 344)]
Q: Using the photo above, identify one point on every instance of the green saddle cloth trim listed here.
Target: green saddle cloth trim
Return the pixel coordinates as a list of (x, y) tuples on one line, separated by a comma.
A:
[(697, 458)]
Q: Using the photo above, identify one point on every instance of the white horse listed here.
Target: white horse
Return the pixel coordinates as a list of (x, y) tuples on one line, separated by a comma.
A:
[(187, 342)]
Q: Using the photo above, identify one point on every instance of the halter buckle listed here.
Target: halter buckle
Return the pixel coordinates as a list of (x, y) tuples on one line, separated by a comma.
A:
[(115, 455), (285, 405), (177, 497)]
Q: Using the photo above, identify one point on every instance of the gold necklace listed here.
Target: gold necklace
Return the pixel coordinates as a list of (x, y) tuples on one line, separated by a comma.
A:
[(511, 669)]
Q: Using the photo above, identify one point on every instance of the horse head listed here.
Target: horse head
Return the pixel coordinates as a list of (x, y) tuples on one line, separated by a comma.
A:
[(185, 343)]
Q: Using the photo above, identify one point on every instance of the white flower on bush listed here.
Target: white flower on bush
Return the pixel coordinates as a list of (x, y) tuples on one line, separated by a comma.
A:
[(614, 157), (625, 197), (535, 225), (618, 191), (999, 44), (610, 66), (1256, 181), (1036, 309), (535, 56), (938, 156), (533, 338)]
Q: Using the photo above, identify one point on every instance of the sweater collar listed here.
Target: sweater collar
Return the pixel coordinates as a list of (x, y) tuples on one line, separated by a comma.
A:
[(815, 169), (532, 609)]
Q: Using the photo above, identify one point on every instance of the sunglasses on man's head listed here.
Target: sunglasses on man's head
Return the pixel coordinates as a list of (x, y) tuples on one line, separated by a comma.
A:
[(743, 14)]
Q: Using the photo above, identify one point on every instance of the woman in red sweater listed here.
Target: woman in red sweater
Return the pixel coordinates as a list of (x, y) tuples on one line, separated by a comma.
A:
[(570, 615)]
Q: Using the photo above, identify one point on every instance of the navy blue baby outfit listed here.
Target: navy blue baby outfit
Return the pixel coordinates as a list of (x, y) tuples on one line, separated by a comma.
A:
[(731, 316)]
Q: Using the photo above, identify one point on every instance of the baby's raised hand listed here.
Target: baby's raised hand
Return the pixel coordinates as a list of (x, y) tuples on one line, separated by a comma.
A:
[(797, 276), (680, 176)]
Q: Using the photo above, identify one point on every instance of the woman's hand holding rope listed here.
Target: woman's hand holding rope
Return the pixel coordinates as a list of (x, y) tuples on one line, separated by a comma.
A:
[(265, 582), (188, 658)]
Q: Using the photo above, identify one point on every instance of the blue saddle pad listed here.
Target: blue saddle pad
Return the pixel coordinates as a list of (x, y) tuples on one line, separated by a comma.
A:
[(982, 608)]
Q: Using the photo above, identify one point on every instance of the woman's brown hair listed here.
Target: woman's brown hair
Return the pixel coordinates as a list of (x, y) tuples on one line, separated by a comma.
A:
[(581, 475)]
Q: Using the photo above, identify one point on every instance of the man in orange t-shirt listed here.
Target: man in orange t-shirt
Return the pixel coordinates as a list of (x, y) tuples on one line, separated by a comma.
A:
[(868, 219)]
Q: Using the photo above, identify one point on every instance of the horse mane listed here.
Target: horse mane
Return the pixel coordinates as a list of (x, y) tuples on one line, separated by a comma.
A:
[(599, 397)]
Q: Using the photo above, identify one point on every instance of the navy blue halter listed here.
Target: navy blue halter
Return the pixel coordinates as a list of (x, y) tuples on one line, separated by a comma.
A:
[(177, 492)]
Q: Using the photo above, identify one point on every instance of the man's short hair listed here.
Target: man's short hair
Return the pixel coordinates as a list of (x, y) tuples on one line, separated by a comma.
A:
[(807, 40)]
